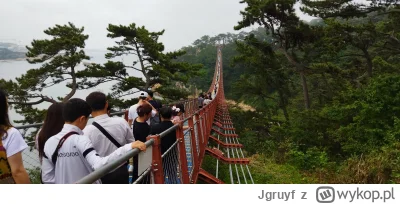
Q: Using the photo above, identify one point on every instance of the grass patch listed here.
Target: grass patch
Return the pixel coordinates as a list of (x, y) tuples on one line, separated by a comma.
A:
[(266, 171)]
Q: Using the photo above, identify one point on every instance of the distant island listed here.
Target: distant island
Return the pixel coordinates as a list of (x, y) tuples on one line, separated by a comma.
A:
[(10, 51)]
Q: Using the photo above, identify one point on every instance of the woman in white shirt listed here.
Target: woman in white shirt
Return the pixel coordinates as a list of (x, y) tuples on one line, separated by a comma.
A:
[(11, 146)]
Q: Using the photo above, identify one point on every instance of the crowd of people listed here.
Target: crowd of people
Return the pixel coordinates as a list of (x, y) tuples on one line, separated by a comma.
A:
[(70, 148)]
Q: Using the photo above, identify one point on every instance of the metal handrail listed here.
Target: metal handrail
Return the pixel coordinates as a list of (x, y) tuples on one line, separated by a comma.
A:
[(104, 170)]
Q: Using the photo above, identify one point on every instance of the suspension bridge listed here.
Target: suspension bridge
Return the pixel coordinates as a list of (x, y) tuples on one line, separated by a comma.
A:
[(203, 131)]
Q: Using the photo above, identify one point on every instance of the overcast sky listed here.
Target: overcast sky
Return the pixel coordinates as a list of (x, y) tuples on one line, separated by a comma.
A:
[(184, 20)]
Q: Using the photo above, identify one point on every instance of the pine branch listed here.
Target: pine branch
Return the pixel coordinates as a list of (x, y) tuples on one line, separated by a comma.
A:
[(131, 67), (43, 99)]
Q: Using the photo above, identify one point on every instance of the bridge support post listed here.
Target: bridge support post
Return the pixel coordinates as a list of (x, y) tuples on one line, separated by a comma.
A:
[(195, 156), (209, 121), (198, 124), (202, 124), (157, 166), (182, 154)]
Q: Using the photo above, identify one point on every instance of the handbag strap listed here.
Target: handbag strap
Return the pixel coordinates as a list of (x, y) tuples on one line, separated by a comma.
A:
[(60, 144), (105, 133)]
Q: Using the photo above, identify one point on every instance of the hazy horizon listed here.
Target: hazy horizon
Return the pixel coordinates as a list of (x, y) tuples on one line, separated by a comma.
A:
[(183, 21)]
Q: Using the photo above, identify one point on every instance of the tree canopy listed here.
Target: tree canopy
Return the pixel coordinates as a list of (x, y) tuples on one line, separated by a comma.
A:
[(151, 67)]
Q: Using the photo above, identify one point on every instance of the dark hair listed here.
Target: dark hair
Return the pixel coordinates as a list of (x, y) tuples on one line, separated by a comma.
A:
[(4, 119), (150, 93), (53, 124), (181, 107), (143, 109), (96, 100), (76, 108), (166, 112)]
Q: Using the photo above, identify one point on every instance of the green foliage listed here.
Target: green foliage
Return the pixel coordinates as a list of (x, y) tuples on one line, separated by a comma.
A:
[(267, 171), (34, 175), (366, 115), (344, 8), (312, 159)]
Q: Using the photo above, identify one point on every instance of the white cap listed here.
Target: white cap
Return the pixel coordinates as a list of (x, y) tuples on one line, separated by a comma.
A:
[(143, 94)]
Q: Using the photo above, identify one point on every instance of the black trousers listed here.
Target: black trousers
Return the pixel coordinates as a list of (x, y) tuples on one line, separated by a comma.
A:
[(119, 176), (135, 172)]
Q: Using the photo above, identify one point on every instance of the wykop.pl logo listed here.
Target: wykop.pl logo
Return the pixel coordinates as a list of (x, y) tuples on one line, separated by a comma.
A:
[(327, 194)]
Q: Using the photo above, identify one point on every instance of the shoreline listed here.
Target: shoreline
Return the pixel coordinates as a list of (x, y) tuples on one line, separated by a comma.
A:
[(16, 59)]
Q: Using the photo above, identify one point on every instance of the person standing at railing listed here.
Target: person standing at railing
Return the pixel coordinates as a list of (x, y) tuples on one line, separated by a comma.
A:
[(207, 100), (168, 140), (53, 124), (132, 114), (107, 135), (200, 101), (157, 105), (12, 144), (69, 156), (177, 113), (141, 129)]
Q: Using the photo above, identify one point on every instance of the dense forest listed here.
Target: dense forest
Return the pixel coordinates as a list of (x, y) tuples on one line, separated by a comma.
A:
[(326, 93)]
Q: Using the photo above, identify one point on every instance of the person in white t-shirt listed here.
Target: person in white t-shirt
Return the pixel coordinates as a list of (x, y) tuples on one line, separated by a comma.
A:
[(69, 156), (132, 114), (107, 134), (12, 144)]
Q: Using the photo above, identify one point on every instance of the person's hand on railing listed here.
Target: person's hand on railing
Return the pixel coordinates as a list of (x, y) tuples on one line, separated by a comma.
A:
[(138, 144)]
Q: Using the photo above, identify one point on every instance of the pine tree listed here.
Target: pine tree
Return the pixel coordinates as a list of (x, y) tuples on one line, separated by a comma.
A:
[(151, 62), (289, 33), (59, 57)]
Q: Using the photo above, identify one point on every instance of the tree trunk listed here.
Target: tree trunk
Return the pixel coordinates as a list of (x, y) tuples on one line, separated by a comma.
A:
[(305, 90), (282, 105), (299, 68), (143, 67), (369, 62), (73, 87)]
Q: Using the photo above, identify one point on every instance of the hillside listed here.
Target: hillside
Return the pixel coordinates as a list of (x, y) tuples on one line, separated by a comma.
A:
[(6, 54), (10, 51)]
